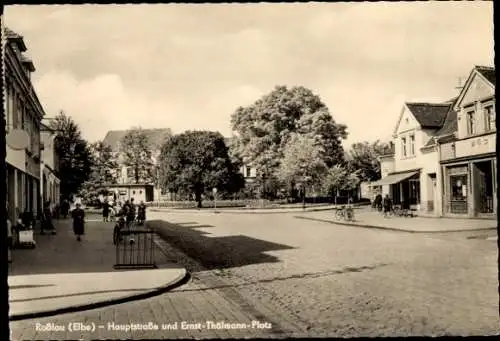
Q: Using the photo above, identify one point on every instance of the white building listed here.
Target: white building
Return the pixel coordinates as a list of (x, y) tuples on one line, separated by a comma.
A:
[(49, 167), (23, 115), (426, 165), (127, 188)]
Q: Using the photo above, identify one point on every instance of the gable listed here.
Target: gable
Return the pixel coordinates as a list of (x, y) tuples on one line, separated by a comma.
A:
[(406, 121), (477, 89)]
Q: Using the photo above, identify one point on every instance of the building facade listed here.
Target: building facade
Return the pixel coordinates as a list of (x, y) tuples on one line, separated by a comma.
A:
[(49, 168), (23, 115), (125, 175), (444, 157), (468, 157)]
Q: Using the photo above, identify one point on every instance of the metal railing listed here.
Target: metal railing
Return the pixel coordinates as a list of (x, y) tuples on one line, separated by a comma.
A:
[(135, 248)]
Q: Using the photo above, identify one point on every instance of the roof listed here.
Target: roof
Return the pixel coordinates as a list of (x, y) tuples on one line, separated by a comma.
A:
[(16, 36), (488, 72), (429, 115), (156, 137), (450, 125)]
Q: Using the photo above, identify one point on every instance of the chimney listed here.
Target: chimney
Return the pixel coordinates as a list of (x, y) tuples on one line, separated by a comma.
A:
[(460, 84)]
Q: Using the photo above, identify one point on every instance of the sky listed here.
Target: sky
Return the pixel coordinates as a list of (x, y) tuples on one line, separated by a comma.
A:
[(189, 66)]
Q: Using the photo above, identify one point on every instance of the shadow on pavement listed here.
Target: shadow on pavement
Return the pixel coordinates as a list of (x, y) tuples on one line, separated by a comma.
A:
[(62, 253), (216, 252)]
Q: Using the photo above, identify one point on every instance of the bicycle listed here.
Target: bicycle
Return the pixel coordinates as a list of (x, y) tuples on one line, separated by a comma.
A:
[(345, 213)]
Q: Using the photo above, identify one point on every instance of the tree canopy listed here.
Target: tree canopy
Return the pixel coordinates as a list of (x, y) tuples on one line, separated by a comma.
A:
[(137, 154), (264, 128), (197, 161), (363, 157), (75, 160), (104, 165), (302, 162)]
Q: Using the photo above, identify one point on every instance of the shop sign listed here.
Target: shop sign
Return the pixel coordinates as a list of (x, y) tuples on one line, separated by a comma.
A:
[(482, 141)]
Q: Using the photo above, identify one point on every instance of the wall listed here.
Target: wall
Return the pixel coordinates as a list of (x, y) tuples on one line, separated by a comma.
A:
[(478, 90), (408, 125), (476, 145), (428, 161), (48, 153)]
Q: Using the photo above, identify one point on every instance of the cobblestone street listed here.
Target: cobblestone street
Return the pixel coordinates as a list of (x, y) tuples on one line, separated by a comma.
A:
[(307, 278)]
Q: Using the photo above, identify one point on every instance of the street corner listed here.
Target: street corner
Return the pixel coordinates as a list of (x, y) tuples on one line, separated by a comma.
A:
[(34, 296)]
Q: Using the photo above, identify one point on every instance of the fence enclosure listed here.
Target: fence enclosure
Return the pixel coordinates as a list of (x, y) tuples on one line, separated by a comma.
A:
[(135, 249)]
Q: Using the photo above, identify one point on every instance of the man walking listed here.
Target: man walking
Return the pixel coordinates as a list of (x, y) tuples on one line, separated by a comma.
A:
[(78, 216), (47, 223)]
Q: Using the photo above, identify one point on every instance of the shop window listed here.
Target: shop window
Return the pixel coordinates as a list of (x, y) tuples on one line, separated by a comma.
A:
[(414, 192), (458, 187)]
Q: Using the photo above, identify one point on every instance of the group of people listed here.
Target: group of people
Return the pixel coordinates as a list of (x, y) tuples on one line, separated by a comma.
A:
[(128, 211), (383, 204)]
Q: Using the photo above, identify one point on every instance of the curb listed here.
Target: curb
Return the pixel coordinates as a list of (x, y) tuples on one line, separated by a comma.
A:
[(392, 228), (247, 211), (181, 280)]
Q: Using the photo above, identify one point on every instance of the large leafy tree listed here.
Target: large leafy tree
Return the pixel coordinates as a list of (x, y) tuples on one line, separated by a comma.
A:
[(75, 159), (104, 165), (137, 154), (302, 162), (264, 128), (197, 161), (363, 158)]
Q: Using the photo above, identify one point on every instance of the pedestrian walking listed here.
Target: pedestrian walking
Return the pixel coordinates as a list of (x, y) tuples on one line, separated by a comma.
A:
[(47, 222), (78, 216), (105, 211), (65, 208), (141, 213), (387, 205)]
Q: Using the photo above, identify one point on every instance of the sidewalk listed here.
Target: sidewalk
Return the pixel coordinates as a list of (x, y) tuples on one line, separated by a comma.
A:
[(63, 275), (370, 219), (242, 210)]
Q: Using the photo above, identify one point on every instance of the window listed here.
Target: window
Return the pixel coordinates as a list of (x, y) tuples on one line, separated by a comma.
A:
[(133, 192), (489, 117), (458, 187), (412, 145), (248, 171), (471, 129), (403, 146), (140, 192), (414, 191)]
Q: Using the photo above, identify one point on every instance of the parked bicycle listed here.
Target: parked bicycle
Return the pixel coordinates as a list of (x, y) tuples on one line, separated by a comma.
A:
[(398, 211), (346, 212)]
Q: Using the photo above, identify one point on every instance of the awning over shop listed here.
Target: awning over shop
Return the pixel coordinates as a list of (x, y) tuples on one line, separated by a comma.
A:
[(394, 178)]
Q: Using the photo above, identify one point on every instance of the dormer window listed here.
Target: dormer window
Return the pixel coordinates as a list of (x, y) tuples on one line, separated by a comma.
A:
[(471, 127)]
